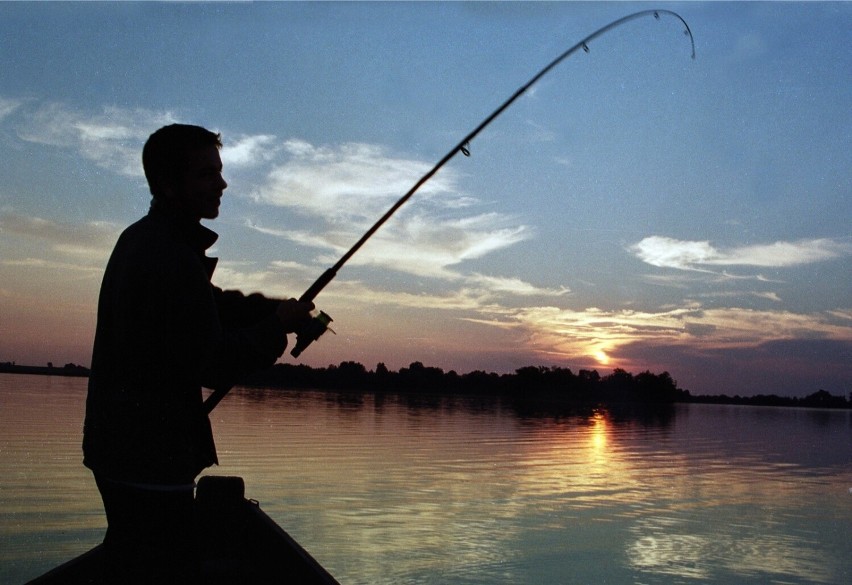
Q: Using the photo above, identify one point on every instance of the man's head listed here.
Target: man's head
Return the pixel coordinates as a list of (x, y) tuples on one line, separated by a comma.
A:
[(184, 170)]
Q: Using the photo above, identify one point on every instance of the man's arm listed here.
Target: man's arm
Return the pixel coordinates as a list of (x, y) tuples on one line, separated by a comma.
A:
[(254, 330)]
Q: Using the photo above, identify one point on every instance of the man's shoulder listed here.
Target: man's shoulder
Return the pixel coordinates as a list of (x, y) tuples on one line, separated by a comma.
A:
[(141, 227), (150, 241), (150, 230)]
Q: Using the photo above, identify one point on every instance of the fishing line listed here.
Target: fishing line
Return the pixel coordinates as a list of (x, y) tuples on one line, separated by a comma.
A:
[(320, 322)]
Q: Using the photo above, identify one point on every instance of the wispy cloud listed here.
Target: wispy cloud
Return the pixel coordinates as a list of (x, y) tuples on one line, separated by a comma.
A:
[(51, 265), (474, 292), (7, 106), (348, 181), (271, 280), (349, 187), (416, 245), (88, 240), (515, 286), (112, 138), (766, 295), (249, 151), (588, 337), (697, 255), (596, 335)]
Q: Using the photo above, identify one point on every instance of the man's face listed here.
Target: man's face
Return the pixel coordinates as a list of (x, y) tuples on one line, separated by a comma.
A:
[(200, 187)]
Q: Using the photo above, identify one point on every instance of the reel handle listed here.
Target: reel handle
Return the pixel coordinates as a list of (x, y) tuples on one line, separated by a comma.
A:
[(311, 332)]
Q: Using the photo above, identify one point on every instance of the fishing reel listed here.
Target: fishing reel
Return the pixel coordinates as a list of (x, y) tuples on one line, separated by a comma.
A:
[(311, 332)]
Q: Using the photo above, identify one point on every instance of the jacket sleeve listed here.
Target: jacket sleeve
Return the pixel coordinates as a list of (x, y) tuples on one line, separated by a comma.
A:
[(197, 341), (237, 310), (252, 338)]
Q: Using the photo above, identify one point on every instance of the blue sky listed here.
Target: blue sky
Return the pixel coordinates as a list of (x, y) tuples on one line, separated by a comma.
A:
[(636, 208)]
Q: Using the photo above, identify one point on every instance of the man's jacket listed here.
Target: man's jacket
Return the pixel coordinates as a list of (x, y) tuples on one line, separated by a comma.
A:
[(163, 332)]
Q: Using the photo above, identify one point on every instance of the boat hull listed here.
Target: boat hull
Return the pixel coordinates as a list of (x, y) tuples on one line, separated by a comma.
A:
[(240, 544)]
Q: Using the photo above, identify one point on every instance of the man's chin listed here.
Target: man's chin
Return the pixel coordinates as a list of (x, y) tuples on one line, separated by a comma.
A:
[(211, 213)]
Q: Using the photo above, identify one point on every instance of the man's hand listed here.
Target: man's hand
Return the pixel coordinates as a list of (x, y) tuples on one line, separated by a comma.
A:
[(294, 314)]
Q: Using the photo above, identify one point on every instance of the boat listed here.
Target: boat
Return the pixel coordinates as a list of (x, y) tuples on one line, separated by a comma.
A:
[(242, 544)]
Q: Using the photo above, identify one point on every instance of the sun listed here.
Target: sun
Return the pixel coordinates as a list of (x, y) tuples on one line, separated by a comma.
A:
[(602, 358)]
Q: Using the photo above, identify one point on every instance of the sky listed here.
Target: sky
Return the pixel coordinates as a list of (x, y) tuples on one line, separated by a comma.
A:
[(634, 209)]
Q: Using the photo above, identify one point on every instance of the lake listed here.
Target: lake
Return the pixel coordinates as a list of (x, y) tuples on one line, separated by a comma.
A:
[(428, 489)]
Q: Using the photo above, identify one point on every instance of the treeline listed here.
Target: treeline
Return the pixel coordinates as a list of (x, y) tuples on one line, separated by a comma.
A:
[(538, 382), (70, 369), (819, 399), (534, 382)]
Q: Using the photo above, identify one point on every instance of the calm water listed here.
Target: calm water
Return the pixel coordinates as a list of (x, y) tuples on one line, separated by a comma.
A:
[(391, 491)]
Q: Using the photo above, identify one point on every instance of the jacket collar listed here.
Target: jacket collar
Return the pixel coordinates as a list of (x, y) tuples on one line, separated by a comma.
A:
[(196, 235), (199, 237)]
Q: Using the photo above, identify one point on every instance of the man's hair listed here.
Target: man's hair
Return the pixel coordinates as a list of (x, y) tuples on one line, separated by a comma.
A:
[(165, 154)]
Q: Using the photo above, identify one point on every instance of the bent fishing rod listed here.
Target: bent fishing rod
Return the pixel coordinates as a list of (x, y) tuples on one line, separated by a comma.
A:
[(320, 322)]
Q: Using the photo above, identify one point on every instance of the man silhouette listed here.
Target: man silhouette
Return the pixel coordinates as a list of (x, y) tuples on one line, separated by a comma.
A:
[(163, 332)]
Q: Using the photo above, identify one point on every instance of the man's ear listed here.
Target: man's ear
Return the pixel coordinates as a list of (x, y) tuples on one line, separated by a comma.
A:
[(165, 188)]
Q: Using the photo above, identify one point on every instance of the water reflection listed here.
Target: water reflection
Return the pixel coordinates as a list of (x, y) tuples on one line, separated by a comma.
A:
[(757, 551), (598, 436), (501, 488), (428, 489)]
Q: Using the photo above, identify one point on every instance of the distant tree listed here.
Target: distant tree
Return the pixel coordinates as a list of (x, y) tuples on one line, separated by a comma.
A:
[(535, 382), (418, 376), (588, 380), (351, 374), (530, 378), (479, 380), (823, 399), (656, 387)]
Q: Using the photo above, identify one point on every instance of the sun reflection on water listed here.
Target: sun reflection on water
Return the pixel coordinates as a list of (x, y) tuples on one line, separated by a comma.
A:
[(598, 439)]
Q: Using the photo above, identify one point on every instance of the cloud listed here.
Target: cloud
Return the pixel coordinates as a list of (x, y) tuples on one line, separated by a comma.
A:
[(248, 278), (112, 139), (249, 151), (350, 186), (7, 106), (89, 240), (51, 265), (694, 255), (515, 286), (598, 336), (470, 293), (348, 181), (767, 296), (462, 300), (416, 245)]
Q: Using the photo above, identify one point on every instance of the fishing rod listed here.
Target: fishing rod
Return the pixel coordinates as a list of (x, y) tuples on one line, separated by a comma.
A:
[(319, 324)]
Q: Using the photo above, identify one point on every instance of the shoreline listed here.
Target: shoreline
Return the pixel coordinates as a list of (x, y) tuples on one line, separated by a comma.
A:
[(819, 399), (71, 370)]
